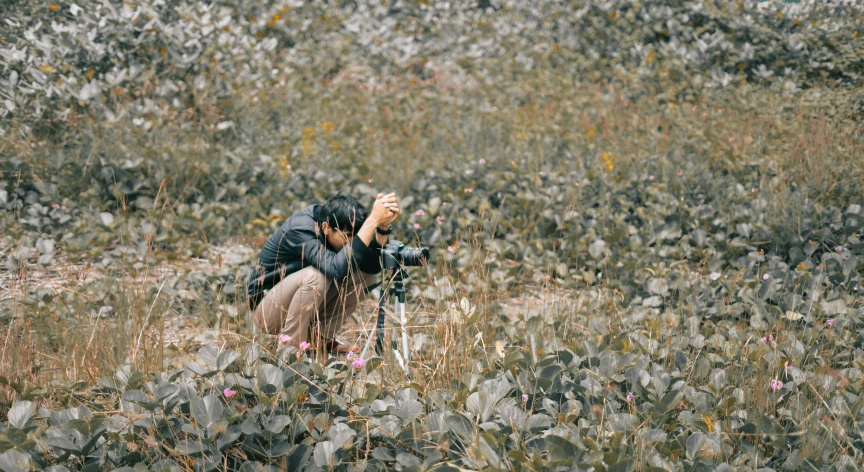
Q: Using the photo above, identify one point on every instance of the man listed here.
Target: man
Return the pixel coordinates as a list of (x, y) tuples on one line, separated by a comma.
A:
[(312, 272)]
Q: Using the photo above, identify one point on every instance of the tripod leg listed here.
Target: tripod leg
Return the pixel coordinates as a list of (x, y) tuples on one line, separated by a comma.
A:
[(403, 357), (377, 331), (379, 340), (403, 321)]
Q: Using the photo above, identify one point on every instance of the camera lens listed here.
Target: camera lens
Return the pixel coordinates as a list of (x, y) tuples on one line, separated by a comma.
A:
[(395, 254), (413, 256)]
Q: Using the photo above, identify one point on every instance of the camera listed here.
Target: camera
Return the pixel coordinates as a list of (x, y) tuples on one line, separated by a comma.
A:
[(396, 255)]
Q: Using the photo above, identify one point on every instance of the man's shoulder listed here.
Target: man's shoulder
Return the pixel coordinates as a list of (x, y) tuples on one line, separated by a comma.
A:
[(300, 226), (302, 218)]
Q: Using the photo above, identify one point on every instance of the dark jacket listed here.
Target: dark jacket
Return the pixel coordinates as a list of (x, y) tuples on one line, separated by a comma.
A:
[(295, 246)]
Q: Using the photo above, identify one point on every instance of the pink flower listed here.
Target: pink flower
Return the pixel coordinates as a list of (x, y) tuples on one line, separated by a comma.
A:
[(229, 393), (304, 345), (358, 363), (284, 338), (439, 219), (714, 275), (63, 207), (650, 177), (775, 385), (524, 397), (55, 206), (482, 161), (830, 323), (768, 338), (419, 212), (469, 190), (468, 172), (630, 397), (766, 277), (416, 225), (350, 356), (449, 248), (839, 248)]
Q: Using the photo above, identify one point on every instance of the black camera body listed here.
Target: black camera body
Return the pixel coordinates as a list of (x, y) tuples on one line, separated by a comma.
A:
[(396, 255)]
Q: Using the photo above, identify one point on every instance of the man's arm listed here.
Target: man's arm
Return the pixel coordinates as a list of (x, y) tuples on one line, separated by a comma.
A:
[(336, 264), (384, 212), (382, 239)]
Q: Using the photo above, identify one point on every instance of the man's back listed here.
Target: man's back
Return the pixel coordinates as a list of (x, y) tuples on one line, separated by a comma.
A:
[(282, 254)]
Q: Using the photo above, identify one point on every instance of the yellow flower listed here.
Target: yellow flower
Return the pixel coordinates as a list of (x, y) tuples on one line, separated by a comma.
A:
[(327, 127), (708, 422), (90, 73), (285, 165), (591, 133), (277, 17), (46, 68), (53, 7), (608, 160)]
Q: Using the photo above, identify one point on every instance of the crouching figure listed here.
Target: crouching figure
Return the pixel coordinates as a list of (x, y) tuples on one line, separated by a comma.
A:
[(316, 268)]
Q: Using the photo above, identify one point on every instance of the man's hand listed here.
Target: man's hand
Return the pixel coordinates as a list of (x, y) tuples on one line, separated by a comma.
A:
[(385, 210)]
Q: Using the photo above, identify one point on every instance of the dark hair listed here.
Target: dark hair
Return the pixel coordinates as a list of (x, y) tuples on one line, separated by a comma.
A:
[(342, 212)]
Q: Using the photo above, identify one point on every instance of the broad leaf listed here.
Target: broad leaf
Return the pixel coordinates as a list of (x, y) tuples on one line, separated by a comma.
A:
[(325, 454), (20, 413)]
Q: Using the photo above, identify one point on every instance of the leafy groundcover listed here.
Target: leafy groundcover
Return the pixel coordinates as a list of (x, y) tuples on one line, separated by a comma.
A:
[(582, 406), (676, 184)]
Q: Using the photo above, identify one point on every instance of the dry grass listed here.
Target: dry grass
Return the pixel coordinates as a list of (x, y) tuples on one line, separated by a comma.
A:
[(392, 134)]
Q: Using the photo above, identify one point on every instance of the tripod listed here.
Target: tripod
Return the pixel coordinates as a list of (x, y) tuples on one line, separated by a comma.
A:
[(397, 289), (394, 258)]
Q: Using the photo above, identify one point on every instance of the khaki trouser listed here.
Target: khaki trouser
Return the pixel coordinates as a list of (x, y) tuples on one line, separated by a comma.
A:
[(307, 303)]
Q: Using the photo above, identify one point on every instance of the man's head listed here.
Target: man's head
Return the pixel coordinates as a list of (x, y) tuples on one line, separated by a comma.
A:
[(340, 217)]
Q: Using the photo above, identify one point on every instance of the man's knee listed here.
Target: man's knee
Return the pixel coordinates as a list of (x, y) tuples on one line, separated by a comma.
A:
[(313, 279), (371, 279)]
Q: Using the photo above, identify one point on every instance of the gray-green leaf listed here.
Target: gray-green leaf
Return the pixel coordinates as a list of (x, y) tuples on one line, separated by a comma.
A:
[(20, 413)]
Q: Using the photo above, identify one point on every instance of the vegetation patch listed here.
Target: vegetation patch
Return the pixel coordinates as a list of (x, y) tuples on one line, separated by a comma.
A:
[(645, 224)]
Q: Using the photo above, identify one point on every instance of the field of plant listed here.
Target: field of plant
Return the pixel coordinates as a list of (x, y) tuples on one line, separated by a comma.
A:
[(645, 221)]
